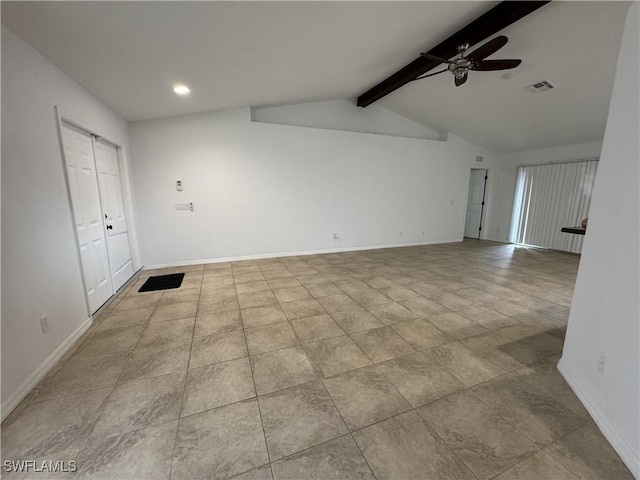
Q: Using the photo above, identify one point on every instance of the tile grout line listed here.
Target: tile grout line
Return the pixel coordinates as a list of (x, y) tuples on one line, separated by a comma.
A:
[(255, 388), (184, 386)]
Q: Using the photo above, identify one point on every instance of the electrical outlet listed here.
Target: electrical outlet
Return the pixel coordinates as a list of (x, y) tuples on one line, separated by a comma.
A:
[(44, 324), (602, 363)]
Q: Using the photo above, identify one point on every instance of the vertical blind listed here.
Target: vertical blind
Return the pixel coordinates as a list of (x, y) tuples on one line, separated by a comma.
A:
[(549, 197)]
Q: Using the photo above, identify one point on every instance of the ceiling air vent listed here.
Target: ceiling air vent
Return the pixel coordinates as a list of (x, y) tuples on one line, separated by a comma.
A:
[(542, 86)]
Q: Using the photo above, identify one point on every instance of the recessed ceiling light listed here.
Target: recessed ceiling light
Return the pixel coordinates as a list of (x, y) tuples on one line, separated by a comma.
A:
[(181, 89)]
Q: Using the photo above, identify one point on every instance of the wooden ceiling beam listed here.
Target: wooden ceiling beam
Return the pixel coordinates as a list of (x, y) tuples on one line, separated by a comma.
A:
[(486, 25)]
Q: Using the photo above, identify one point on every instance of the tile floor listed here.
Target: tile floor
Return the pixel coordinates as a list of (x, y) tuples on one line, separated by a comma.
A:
[(431, 362)]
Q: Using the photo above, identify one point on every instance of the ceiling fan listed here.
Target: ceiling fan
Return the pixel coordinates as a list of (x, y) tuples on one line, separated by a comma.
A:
[(460, 66)]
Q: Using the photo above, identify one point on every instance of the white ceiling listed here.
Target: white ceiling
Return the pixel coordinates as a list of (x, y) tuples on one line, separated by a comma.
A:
[(232, 54)]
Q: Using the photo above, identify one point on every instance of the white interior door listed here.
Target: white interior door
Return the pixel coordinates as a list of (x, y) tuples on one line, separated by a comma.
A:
[(113, 210), (85, 199), (475, 203)]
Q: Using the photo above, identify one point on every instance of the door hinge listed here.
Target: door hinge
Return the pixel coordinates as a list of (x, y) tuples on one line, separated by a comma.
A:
[(486, 177), (479, 229), (483, 204)]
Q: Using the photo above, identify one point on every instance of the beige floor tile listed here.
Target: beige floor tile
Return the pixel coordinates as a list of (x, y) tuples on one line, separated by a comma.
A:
[(220, 443), (403, 447), (324, 289), (390, 313), (291, 294), (257, 316), (216, 385), (256, 299), (587, 454), (217, 348), (505, 353), (140, 301), (141, 454), (268, 338), (260, 473), (540, 466), (174, 311), (221, 322), (369, 297), (533, 412), (154, 361), (336, 355), (81, 374), (418, 379), (356, 320), (253, 287), (106, 342), (46, 428), (364, 397), (486, 442), (140, 404), (281, 369), (124, 319), (464, 364), (337, 303), (316, 328), (380, 344), (423, 307), (180, 295), (456, 326), (297, 418), (302, 309), (217, 304), (488, 318), (421, 334), (156, 334), (339, 458), (280, 283)]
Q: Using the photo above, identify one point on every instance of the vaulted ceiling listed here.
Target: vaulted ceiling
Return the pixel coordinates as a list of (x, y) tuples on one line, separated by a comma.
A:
[(233, 54)]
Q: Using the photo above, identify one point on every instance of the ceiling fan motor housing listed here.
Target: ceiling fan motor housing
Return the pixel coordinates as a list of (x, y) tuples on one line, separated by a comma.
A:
[(460, 67)]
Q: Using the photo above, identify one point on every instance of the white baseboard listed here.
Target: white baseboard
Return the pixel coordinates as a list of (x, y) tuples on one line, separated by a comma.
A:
[(627, 454), (292, 254), (38, 374)]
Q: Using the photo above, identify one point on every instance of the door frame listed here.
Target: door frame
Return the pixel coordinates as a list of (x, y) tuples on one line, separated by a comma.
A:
[(486, 209), (61, 120)]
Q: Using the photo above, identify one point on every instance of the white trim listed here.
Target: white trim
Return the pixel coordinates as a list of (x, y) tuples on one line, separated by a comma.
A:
[(38, 374), (261, 256), (627, 454)]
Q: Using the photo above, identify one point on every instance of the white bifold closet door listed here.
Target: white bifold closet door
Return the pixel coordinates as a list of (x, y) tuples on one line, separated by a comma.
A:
[(549, 197), (98, 210), (110, 185)]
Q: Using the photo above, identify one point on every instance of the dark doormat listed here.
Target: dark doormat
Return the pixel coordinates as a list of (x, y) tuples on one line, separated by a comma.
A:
[(162, 282)]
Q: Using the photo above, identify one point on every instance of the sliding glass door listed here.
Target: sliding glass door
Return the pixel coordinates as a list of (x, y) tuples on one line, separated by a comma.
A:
[(549, 197)]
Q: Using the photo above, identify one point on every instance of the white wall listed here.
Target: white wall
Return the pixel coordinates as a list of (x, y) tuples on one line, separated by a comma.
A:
[(41, 272), (605, 313), (344, 115), (508, 170), (264, 189)]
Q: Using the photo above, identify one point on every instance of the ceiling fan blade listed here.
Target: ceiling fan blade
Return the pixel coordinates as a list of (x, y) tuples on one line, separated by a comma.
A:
[(461, 80), (492, 46), (433, 57), (488, 65)]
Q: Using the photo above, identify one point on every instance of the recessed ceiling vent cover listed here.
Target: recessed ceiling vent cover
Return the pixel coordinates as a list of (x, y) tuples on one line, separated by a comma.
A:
[(542, 86)]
